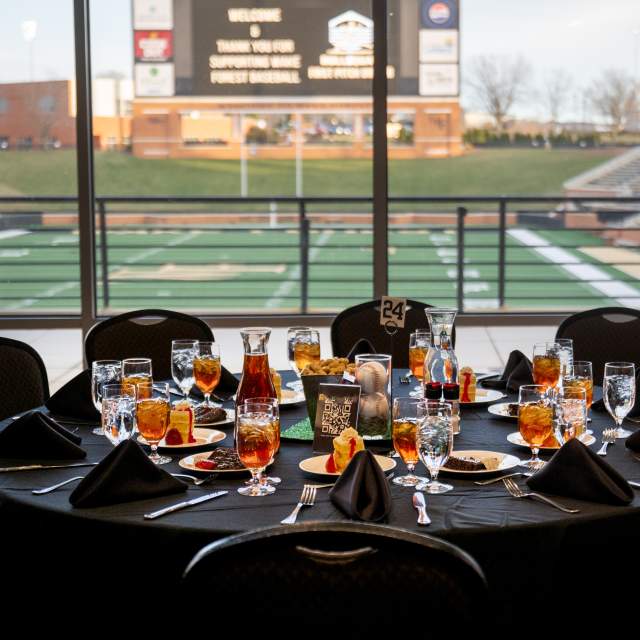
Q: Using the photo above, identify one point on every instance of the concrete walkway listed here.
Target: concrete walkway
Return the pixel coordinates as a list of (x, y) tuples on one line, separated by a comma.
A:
[(479, 347)]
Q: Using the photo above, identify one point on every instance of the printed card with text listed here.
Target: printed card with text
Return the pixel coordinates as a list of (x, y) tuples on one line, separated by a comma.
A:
[(337, 409)]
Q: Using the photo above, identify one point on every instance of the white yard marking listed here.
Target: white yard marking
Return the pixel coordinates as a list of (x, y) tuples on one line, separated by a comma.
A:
[(147, 253), (13, 233), (14, 253), (587, 273)]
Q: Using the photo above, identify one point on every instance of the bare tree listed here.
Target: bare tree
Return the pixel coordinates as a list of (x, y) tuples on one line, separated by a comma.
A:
[(555, 93), (498, 83), (615, 97)]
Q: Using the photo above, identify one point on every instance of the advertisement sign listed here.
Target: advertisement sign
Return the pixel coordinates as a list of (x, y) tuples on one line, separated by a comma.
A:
[(438, 45), (154, 80), (153, 14), (336, 411), (153, 46), (439, 80), (439, 14)]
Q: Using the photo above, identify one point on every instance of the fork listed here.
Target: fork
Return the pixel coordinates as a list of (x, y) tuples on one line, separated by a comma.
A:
[(196, 481), (483, 483), (307, 499), (608, 437), (517, 492)]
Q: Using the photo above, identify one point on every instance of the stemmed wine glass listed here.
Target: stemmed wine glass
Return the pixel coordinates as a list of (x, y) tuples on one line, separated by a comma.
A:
[(183, 353), (276, 433), (137, 370), (306, 348), (118, 411), (296, 385), (571, 410), (103, 372), (419, 343), (207, 370), (546, 364), (434, 440), (256, 444), (619, 391), (535, 420), (404, 427), (565, 352), (153, 408)]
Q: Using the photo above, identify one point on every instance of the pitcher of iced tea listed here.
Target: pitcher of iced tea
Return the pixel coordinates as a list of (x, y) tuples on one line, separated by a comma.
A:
[(441, 364), (256, 381)]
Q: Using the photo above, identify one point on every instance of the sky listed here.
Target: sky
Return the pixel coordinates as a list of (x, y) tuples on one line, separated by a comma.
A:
[(583, 37)]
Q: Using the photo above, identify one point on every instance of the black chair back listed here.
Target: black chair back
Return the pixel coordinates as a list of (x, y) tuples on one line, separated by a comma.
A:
[(346, 575), (363, 321), (146, 333), (606, 334), (24, 383)]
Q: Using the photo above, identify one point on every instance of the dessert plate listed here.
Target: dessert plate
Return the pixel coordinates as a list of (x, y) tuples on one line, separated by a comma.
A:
[(501, 410), (316, 465), (231, 416), (515, 438), (190, 463), (203, 438), (484, 396), (498, 462)]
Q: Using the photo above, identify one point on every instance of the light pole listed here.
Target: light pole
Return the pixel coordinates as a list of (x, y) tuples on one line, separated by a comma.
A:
[(29, 32)]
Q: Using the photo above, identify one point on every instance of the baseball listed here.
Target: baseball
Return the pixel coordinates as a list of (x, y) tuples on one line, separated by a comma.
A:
[(374, 405), (372, 377)]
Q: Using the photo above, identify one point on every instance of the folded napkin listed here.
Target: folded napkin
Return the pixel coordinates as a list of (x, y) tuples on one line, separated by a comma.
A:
[(360, 347), (36, 436), (633, 442), (599, 405), (124, 475), (518, 371), (577, 472), (73, 400), (362, 491), (226, 388)]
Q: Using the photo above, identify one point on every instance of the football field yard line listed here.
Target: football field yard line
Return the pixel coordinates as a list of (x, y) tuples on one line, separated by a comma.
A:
[(613, 289)]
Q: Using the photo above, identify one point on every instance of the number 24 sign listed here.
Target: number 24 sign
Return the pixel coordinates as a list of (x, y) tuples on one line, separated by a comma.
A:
[(393, 311)]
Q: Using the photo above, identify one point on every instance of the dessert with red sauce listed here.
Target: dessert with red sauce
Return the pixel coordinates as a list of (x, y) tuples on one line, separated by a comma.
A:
[(221, 459), (180, 430), (345, 446)]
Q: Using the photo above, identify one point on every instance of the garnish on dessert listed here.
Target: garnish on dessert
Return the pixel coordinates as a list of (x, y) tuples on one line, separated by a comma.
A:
[(345, 446), (467, 385)]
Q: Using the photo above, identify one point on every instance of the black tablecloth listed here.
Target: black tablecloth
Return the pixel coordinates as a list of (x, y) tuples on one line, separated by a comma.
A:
[(528, 550)]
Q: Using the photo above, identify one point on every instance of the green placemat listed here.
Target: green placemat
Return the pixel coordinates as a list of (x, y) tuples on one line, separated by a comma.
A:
[(299, 431)]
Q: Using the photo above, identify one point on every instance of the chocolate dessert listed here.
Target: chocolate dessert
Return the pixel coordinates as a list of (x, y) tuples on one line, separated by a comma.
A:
[(464, 464), (222, 459), (207, 415)]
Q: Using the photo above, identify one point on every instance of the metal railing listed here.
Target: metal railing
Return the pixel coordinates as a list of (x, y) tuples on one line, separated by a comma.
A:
[(469, 218)]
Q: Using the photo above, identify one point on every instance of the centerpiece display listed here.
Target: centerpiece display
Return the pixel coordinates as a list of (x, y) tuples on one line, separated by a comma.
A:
[(373, 374)]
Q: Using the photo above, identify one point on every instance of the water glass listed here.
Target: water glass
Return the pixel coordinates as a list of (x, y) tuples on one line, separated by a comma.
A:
[(118, 411), (434, 440), (103, 372), (182, 354), (571, 407), (565, 351), (619, 391)]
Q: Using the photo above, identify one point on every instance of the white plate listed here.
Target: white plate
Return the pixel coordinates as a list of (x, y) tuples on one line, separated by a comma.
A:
[(316, 465), (190, 463), (506, 461), (231, 416), (484, 396), (501, 410), (203, 437), (515, 438), (290, 398)]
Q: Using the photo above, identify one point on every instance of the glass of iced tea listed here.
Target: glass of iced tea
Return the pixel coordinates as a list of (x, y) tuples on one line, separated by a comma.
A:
[(291, 343), (419, 343), (207, 369), (152, 416), (276, 431), (403, 433), (256, 444), (136, 371), (306, 348), (535, 420), (546, 364)]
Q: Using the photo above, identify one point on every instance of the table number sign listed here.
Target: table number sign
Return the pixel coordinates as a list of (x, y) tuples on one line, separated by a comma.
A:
[(393, 312), (337, 409)]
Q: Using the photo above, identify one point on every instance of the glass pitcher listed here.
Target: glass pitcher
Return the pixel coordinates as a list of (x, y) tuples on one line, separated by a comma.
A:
[(441, 364), (256, 381)]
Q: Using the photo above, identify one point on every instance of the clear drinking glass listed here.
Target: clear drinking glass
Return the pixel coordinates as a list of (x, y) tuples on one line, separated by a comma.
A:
[(137, 370), (565, 351), (296, 385), (276, 433), (152, 416), (434, 440), (182, 354), (581, 377), (571, 408), (441, 364), (306, 348), (103, 372), (619, 391), (207, 370), (419, 342), (535, 420), (546, 364), (118, 411), (255, 443), (403, 433)]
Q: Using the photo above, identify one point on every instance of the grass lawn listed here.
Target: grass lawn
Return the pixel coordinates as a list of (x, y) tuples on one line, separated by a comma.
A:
[(481, 172)]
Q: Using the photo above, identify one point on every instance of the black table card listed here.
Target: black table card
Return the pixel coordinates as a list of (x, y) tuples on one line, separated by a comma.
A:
[(337, 409)]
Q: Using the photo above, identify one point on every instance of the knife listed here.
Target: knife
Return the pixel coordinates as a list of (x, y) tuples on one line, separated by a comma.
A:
[(421, 506), (29, 467), (183, 505), (634, 484)]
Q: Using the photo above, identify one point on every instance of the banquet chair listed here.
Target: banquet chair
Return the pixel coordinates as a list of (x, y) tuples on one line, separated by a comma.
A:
[(145, 333), (605, 334), (343, 574), (23, 378), (363, 321)]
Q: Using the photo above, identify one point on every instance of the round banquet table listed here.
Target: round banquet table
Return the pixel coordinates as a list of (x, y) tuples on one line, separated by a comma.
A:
[(530, 552)]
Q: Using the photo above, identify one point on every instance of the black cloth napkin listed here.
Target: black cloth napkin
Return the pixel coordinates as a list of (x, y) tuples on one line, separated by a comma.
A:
[(362, 491), (124, 475), (518, 371), (577, 472), (227, 386), (37, 436), (360, 347), (599, 405), (633, 442), (73, 400)]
